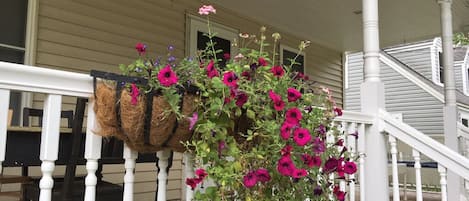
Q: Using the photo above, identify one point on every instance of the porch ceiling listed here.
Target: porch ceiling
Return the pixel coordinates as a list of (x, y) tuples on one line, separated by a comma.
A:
[(337, 23)]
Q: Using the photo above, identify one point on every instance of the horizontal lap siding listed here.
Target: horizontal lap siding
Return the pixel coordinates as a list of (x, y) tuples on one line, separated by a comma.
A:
[(81, 35), (419, 109), (419, 60)]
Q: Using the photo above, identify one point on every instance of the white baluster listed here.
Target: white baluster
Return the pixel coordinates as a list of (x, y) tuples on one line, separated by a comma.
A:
[(49, 143), (344, 129), (395, 172), (92, 153), (4, 104), (418, 177), (188, 173), (163, 163), (443, 182), (352, 147), (129, 156), (362, 155), (466, 184)]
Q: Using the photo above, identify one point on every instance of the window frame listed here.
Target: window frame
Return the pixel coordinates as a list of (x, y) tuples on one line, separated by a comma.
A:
[(195, 24), (29, 51), (465, 73), (295, 51)]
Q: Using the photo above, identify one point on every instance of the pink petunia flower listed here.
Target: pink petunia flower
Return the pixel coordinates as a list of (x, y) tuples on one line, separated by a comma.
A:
[(340, 195), (277, 71), (141, 48), (330, 165), (299, 173), (167, 76), (285, 130), (250, 179), (293, 116), (285, 166), (301, 136), (279, 105), (274, 96), (317, 161), (135, 92), (263, 175), (293, 94), (193, 120), (350, 167), (241, 99), (230, 79), (206, 10), (201, 173), (261, 62)]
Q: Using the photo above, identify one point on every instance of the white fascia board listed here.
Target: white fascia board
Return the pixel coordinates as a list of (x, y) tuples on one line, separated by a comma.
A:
[(412, 78)]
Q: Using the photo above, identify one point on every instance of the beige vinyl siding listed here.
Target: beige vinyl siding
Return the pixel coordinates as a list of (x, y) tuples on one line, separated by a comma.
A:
[(81, 35)]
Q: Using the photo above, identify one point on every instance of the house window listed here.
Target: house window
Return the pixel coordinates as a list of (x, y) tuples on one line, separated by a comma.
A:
[(13, 17), (198, 39), (464, 122), (441, 75), (287, 54)]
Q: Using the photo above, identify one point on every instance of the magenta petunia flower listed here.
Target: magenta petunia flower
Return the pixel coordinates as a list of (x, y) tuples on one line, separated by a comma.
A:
[(277, 99), (293, 94), (301, 136), (317, 191), (274, 96), (340, 195), (141, 48), (350, 167), (241, 99), (227, 56), (318, 145), (311, 161), (230, 79), (193, 182), (250, 179), (263, 175), (285, 130), (211, 70), (330, 165), (285, 166), (293, 116), (261, 62), (338, 111), (167, 76), (201, 174), (246, 74), (206, 10), (286, 150), (135, 92), (321, 129), (277, 71), (299, 173), (339, 142), (193, 120)]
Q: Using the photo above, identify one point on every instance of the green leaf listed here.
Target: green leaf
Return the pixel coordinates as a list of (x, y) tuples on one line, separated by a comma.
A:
[(250, 114)]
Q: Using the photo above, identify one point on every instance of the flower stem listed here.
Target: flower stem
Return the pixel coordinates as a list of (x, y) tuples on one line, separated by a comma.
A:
[(211, 41)]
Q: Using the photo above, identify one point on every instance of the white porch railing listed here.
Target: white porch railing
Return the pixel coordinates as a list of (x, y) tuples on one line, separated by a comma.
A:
[(56, 84)]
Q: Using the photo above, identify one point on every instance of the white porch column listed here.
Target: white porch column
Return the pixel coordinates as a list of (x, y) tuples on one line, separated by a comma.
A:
[(450, 110), (372, 99)]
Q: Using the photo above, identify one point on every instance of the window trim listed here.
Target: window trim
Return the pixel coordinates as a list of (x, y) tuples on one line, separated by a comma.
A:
[(435, 49), (294, 50), (465, 71), (195, 24)]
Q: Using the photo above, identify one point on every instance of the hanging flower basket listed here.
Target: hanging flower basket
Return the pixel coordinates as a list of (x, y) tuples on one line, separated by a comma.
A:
[(144, 124)]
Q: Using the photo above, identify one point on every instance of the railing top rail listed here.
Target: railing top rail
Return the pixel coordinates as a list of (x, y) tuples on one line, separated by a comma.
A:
[(355, 117), (463, 131), (43, 80), (426, 145)]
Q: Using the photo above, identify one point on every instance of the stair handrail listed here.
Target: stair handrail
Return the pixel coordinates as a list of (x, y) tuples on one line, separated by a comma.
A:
[(424, 144), (354, 117)]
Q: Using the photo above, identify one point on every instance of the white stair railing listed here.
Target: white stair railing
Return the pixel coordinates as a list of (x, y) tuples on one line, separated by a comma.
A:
[(463, 134), (353, 125), (423, 144), (92, 154)]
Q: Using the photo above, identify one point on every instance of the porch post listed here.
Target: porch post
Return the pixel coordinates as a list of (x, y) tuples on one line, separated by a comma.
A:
[(450, 110), (372, 99)]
